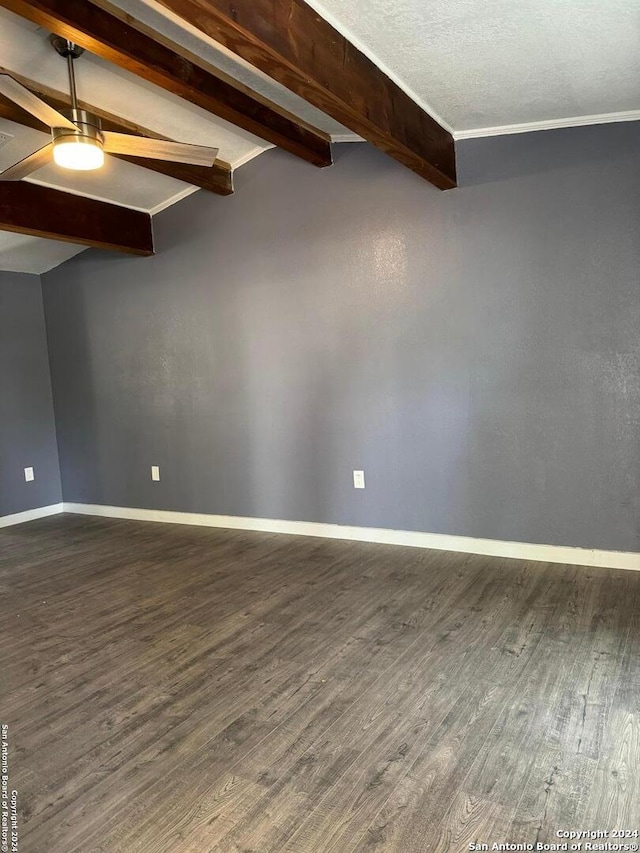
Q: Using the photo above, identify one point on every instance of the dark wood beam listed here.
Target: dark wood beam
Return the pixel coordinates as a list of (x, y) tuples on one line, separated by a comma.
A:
[(44, 212), (217, 178), (290, 42), (114, 37)]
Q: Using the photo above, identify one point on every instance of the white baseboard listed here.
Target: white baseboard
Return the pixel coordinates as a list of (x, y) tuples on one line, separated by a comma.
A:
[(568, 555), (30, 515), (437, 541)]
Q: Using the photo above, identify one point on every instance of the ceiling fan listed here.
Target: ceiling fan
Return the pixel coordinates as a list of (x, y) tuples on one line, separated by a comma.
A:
[(78, 141)]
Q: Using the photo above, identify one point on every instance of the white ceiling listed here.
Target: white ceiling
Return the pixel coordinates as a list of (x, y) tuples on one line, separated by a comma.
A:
[(480, 66), (491, 66)]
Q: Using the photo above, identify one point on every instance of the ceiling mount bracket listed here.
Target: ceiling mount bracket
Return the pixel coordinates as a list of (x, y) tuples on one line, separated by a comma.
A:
[(66, 49)]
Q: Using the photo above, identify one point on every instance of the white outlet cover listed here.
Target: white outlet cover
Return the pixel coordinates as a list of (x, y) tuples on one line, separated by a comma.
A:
[(358, 480), (29, 476), (155, 473)]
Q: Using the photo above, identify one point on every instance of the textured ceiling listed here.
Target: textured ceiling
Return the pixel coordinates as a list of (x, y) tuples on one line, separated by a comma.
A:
[(484, 64), (480, 66), (19, 253), (160, 19)]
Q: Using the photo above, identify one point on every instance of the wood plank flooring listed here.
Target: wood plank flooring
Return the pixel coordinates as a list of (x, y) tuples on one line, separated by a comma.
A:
[(179, 689)]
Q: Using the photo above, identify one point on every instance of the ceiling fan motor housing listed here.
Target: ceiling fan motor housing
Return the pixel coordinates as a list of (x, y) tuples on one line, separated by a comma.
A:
[(89, 127)]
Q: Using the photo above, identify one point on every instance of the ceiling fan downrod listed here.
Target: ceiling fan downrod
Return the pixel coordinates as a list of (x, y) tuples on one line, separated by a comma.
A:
[(88, 131), (69, 51)]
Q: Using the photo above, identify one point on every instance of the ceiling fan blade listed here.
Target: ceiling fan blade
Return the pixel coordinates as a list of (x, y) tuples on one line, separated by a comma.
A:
[(29, 164), (21, 96), (158, 149)]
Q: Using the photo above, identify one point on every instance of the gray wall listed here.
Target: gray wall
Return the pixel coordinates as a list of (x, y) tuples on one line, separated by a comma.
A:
[(476, 351), (27, 430)]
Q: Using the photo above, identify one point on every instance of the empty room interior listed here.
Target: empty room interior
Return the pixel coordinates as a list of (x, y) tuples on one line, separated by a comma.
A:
[(319, 426)]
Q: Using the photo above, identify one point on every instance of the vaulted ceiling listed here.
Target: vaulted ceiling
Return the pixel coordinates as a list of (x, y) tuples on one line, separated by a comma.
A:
[(478, 66)]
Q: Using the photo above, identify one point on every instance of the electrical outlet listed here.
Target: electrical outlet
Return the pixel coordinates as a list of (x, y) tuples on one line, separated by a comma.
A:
[(358, 479), (155, 473), (29, 476)]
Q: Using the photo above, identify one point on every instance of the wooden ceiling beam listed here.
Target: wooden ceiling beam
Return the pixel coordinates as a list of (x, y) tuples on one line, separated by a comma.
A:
[(116, 37), (217, 178), (291, 43), (27, 208)]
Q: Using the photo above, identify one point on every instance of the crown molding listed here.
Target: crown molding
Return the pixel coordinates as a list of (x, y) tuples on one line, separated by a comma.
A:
[(183, 193), (548, 124)]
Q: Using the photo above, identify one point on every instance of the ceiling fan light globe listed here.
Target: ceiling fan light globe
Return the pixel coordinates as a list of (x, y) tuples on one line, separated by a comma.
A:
[(79, 155)]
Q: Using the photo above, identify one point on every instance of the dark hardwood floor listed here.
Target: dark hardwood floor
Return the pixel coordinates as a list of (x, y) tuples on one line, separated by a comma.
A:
[(179, 689)]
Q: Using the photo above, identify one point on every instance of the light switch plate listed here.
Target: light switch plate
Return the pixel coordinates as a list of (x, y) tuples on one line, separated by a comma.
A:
[(155, 473), (358, 479), (29, 475)]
